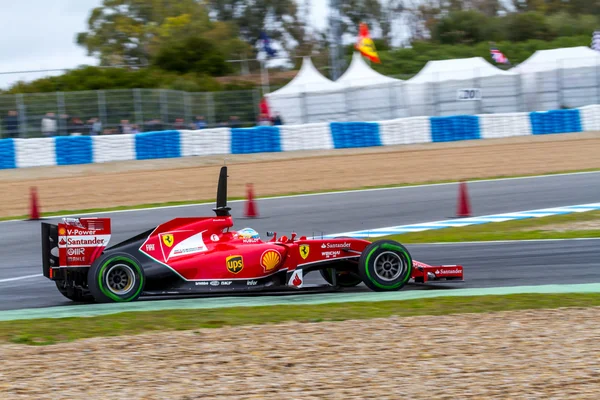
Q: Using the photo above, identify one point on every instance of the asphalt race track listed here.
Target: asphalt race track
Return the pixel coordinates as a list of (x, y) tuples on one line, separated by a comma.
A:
[(486, 265)]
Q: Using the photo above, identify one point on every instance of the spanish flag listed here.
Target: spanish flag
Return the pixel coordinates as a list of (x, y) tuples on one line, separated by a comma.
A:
[(365, 44)]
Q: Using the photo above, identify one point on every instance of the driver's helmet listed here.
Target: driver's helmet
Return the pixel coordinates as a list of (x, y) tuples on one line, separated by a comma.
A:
[(248, 233)]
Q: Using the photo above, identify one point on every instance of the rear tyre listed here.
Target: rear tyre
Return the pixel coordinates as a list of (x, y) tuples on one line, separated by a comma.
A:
[(116, 278), (385, 265), (74, 294)]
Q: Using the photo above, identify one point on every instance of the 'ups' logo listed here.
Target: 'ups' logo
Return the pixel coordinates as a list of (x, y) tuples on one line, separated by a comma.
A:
[(235, 264), (270, 259)]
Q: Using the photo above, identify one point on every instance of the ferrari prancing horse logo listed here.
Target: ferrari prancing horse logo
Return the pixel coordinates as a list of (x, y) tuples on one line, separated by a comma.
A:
[(167, 239), (304, 250)]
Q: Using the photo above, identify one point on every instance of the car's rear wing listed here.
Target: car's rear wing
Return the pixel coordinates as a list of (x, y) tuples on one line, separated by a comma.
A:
[(73, 243)]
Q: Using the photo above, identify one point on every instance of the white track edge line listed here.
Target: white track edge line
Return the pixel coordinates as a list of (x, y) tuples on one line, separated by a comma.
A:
[(20, 278)]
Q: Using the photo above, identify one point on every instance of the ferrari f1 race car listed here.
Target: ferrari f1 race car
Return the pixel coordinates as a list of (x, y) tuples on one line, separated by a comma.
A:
[(202, 255)]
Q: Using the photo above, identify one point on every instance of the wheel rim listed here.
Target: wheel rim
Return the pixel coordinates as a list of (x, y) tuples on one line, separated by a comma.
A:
[(389, 266), (120, 279)]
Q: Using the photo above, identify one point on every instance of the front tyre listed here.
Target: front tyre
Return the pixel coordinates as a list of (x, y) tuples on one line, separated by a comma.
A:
[(385, 265), (116, 278)]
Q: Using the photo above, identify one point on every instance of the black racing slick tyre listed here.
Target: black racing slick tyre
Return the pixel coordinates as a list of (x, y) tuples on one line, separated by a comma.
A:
[(116, 278), (343, 278), (385, 265)]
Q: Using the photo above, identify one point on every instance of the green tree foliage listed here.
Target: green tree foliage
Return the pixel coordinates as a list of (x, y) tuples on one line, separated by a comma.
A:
[(406, 62), (98, 78), (279, 18), (132, 32), (193, 54)]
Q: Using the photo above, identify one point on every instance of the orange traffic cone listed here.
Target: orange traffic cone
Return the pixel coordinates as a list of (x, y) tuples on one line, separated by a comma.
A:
[(251, 210), (34, 212), (464, 206)]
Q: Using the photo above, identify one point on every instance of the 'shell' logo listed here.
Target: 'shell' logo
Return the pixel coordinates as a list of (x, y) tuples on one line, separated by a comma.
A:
[(235, 264), (62, 231), (167, 239), (270, 259), (304, 250)]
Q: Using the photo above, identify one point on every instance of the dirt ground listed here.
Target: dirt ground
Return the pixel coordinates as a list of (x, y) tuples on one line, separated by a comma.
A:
[(194, 178), (541, 354)]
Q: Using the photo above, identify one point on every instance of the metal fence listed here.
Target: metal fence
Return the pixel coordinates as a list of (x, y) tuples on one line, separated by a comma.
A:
[(156, 109), (140, 109)]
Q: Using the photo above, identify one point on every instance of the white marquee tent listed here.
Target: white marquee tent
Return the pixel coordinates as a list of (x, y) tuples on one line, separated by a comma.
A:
[(371, 95), (556, 78), (308, 97), (433, 91)]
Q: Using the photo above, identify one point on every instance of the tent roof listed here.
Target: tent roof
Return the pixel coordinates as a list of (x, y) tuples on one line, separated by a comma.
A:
[(457, 69), (308, 79), (569, 57), (359, 73)]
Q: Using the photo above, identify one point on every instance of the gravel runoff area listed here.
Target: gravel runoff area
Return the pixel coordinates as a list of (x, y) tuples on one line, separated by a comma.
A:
[(541, 354), (194, 178)]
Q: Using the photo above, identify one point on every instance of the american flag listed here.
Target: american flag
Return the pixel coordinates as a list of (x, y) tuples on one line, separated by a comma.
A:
[(498, 56)]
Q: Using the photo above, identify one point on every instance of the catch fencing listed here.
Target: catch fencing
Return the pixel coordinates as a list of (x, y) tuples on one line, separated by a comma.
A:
[(158, 109)]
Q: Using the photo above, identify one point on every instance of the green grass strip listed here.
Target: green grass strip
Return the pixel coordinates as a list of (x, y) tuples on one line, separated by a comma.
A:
[(201, 201), (525, 229), (49, 331)]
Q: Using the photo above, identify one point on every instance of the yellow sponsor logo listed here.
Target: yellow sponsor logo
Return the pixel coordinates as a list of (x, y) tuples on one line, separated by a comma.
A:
[(235, 264), (304, 250), (167, 239), (270, 259), (62, 231)]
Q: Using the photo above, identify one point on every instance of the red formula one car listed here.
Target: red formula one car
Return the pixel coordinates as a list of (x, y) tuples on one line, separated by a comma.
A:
[(202, 255)]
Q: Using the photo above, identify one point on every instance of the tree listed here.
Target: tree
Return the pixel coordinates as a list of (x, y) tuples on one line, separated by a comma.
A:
[(120, 32), (279, 18), (194, 54), (466, 27)]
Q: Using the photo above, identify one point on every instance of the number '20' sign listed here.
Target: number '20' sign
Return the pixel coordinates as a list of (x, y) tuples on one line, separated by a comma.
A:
[(469, 94)]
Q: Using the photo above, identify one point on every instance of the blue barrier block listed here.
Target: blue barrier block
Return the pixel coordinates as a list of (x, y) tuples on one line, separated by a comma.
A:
[(355, 134), (259, 139), (458, 127), (555, 121), (162, 144), (7, 154), (72, 150)]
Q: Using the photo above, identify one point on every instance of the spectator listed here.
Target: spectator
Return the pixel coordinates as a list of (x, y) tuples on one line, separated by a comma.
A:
[(234, 121), (76, 127), (264, 120), (124, 127), (179, 124), (49, 125), (96, 126), (200, 122), (135, 129), (11, 124), (277, 119)]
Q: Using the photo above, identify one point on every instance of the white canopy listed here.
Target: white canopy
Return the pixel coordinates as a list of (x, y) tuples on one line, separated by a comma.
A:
[(361, 74), (457, 69), (309, 97), (308, 79), (569, 57)]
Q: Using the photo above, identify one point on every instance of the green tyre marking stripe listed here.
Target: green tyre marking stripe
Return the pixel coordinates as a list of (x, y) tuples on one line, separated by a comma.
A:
[(110, 294), (389, 247)]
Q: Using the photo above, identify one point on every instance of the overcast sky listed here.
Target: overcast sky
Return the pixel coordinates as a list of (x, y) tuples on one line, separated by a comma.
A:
[(40, 34)]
